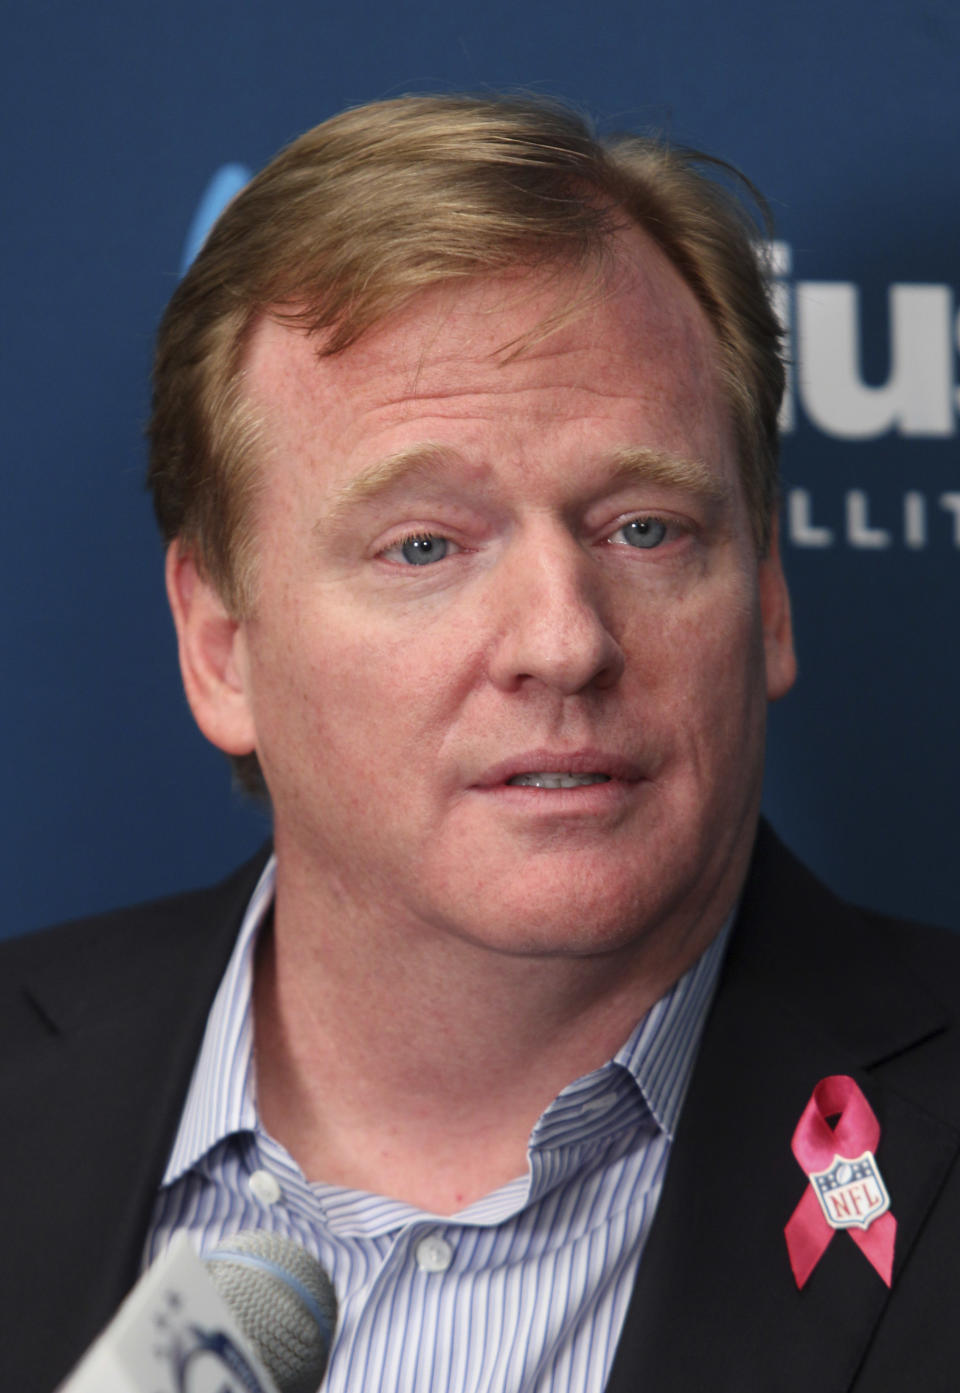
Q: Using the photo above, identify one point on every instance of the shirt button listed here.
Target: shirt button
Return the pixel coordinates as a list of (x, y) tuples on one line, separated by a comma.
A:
[(434, 1253), (265, 1187)]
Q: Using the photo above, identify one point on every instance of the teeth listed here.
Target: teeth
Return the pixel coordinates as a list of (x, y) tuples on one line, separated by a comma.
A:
[(548, 780)]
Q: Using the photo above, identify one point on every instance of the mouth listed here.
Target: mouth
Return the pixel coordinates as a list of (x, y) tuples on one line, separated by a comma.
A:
[(545, 779), (554, 770)]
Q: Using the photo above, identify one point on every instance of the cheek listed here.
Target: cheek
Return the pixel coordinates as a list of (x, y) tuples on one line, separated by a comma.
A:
[(345, 699), (705, 672)]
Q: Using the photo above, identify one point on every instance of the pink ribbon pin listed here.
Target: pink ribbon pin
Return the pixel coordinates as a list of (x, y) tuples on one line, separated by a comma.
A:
[(846, 1189)]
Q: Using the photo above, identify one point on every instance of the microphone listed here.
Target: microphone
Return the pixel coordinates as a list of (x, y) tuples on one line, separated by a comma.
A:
[(256, 1316), (284, 1303)]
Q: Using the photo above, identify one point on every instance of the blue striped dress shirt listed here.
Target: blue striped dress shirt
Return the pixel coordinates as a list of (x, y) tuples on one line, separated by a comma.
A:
[(524, 1291)]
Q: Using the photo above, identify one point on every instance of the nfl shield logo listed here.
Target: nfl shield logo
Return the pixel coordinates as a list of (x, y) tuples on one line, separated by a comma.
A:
[(851, 1192)]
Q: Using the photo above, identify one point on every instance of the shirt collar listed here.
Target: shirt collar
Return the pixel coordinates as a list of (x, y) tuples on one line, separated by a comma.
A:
[(221, 1099), (662, 1047)]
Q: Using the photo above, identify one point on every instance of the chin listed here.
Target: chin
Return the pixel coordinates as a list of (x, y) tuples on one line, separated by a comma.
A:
[(566, 918)]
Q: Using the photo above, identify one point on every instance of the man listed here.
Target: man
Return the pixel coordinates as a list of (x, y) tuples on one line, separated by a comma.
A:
[(464, 446)]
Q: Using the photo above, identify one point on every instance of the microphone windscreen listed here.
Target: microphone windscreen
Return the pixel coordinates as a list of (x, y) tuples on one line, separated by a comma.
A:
[(283, 1301)]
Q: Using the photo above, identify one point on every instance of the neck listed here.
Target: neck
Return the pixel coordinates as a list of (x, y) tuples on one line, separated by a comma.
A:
[(379, 1046)]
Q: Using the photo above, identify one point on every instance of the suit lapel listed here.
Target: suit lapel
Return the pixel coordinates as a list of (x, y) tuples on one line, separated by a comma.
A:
[(809, 989), (105, 1042)]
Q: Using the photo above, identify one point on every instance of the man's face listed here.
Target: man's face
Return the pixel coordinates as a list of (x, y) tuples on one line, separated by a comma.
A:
[(507, 666)]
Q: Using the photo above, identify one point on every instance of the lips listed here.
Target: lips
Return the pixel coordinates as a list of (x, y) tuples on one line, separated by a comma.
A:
[(551, 779), (554, 769)]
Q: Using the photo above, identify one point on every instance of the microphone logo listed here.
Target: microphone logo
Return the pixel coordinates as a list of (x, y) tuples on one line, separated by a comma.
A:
[(202, 1360)]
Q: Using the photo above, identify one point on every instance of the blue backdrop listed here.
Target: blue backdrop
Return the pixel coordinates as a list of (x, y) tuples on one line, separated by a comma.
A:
[(122, 123)]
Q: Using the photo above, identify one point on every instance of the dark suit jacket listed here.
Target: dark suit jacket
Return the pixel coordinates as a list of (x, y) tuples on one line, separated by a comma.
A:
[(100, 1024)]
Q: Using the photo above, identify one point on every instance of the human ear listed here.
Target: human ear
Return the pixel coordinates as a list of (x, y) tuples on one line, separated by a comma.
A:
[(212, 649), (781, 662)]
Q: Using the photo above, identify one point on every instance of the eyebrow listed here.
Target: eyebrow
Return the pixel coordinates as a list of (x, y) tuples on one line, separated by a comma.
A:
[(427, 460), (643, 464), (637, 464)]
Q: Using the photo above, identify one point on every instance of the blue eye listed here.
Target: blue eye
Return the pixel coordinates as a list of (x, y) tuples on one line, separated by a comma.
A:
[(420, 551), (643, 532)]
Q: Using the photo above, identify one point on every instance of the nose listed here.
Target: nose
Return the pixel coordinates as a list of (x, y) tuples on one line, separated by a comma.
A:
[(551, 627)]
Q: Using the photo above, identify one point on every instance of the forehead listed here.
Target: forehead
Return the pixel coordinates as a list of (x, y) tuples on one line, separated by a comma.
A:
[(632, 345)]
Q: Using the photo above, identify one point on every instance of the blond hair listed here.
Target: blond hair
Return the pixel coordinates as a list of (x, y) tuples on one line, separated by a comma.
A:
[(358, 215)]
